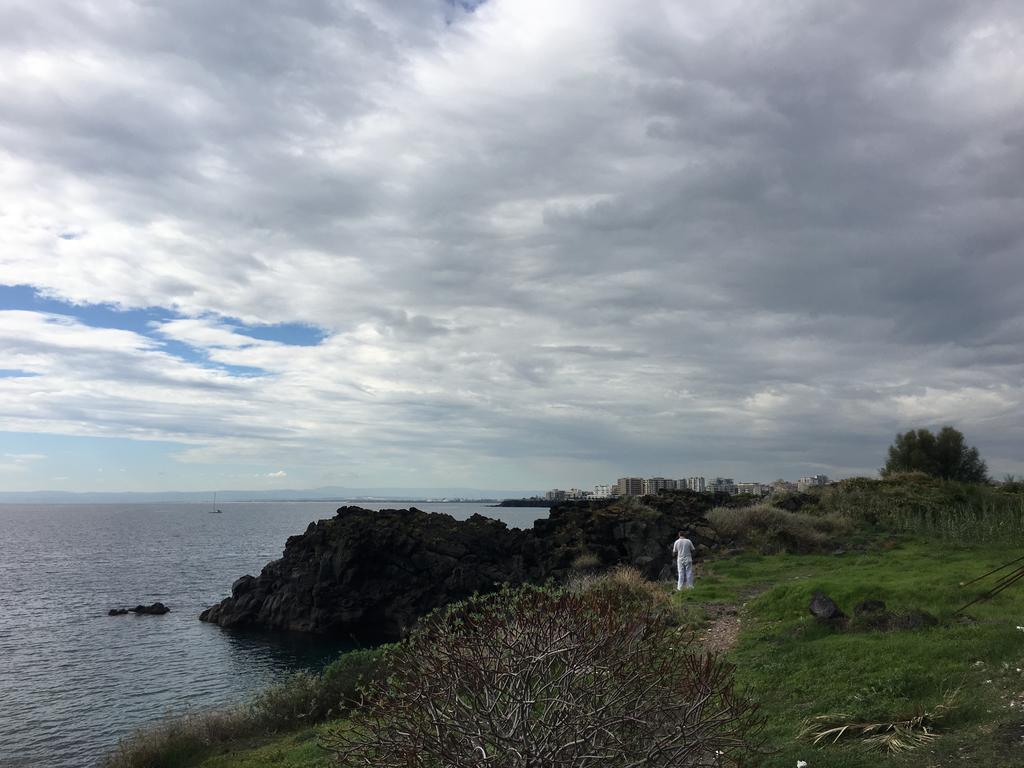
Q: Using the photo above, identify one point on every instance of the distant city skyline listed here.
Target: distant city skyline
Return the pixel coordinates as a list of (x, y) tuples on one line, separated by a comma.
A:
[(647, 486), (504, 243)]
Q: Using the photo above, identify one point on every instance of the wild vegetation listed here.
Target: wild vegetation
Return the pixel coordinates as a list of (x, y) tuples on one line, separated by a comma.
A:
[(768, 529), (301, 701), (847, 694)]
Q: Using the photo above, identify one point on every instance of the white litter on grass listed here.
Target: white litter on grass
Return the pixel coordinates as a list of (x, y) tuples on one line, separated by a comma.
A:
[(801, 764)]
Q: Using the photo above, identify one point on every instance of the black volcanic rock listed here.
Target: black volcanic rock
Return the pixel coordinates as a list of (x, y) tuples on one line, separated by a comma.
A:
[(824, 608), (370, 575), (156, 609), (636, 532)]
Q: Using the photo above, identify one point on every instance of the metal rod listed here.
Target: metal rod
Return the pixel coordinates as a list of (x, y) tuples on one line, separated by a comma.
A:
[(1006, 582), (994, 570)]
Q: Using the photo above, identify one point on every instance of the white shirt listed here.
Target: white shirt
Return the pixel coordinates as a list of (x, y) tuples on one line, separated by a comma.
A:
[(683, 550)]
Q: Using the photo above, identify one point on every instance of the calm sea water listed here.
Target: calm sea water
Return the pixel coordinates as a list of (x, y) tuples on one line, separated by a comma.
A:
[(74, 680)]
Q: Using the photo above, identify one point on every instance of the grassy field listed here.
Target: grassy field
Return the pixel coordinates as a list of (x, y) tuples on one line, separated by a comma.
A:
[(799, 669)]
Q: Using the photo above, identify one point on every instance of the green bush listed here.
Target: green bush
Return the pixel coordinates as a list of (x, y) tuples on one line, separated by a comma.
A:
[(769, 530), (342, 681)]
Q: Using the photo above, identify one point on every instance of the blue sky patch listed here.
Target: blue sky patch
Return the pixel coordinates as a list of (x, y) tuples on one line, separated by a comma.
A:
[(293, 334), (26, 297)]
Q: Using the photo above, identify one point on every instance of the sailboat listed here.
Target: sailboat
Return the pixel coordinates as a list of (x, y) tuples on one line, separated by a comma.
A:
[(214, 510)]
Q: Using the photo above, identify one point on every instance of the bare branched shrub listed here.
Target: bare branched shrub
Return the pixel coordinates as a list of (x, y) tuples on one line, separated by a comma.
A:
[(533, 677)]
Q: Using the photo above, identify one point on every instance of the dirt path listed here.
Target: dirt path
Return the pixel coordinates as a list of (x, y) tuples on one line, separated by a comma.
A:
[(724, 630)]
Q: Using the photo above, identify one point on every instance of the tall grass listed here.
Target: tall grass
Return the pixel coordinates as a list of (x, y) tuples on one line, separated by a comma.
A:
[(922, 505), (982, 523), (302, 700)]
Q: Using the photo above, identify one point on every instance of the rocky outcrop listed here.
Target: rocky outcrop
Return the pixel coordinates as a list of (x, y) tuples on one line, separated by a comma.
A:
[(636, 532), (370, 575)]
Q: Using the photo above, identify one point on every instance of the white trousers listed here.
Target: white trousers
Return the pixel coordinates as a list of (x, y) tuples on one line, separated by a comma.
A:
[(685, 568)]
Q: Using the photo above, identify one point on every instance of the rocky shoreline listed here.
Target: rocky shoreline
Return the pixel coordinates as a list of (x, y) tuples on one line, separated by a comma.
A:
[(369, 575)]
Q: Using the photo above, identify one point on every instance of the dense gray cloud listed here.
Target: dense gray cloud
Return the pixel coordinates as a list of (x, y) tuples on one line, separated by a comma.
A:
[(545, 243)]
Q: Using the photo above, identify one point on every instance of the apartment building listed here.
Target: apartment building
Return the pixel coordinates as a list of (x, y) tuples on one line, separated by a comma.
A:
[(654, 484), (754, 489), (629, 486), (723, 485), (696, 484)]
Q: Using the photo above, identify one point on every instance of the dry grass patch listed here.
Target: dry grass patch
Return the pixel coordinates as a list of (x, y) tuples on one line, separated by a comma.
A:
[(771, 530)]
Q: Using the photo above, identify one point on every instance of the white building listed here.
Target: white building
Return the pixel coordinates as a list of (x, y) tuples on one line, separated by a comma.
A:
[(754, 489), (696, 484), (602, 492), (811, 481)]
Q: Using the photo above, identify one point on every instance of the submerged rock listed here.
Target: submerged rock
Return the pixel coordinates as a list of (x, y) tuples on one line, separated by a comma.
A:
[(156, 609)]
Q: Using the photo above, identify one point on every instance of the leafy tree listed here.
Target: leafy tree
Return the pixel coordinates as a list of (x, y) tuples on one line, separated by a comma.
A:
[(945, 455)]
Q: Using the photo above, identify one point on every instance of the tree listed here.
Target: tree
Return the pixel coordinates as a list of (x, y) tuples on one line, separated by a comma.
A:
[(535, 678), (945, 455)]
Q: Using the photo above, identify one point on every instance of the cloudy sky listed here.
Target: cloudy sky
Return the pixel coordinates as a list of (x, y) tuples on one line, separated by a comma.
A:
[(515, 244)]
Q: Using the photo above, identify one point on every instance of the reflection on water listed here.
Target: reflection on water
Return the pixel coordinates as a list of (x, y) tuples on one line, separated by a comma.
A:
[(74, 680)]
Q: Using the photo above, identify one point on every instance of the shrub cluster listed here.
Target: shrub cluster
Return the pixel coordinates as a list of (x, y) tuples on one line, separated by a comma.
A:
[(770, 530)]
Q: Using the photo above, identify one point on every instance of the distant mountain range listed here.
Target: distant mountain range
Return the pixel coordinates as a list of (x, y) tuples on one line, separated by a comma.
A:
[(327, 493)]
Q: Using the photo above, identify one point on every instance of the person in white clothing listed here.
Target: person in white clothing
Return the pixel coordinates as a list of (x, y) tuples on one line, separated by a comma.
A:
[(683, 551)]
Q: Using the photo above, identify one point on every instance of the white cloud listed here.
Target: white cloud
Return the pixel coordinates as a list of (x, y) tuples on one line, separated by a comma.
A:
[(538, 239), (279, 473)]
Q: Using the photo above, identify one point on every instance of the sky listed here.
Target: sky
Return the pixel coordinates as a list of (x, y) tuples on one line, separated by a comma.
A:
[(513, 243)]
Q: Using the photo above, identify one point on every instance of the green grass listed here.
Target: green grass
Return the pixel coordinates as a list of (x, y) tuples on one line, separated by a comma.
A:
[(799, 669), (297, 750)]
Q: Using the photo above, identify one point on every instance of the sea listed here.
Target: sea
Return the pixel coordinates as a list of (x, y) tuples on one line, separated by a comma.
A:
[(73, 680)]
